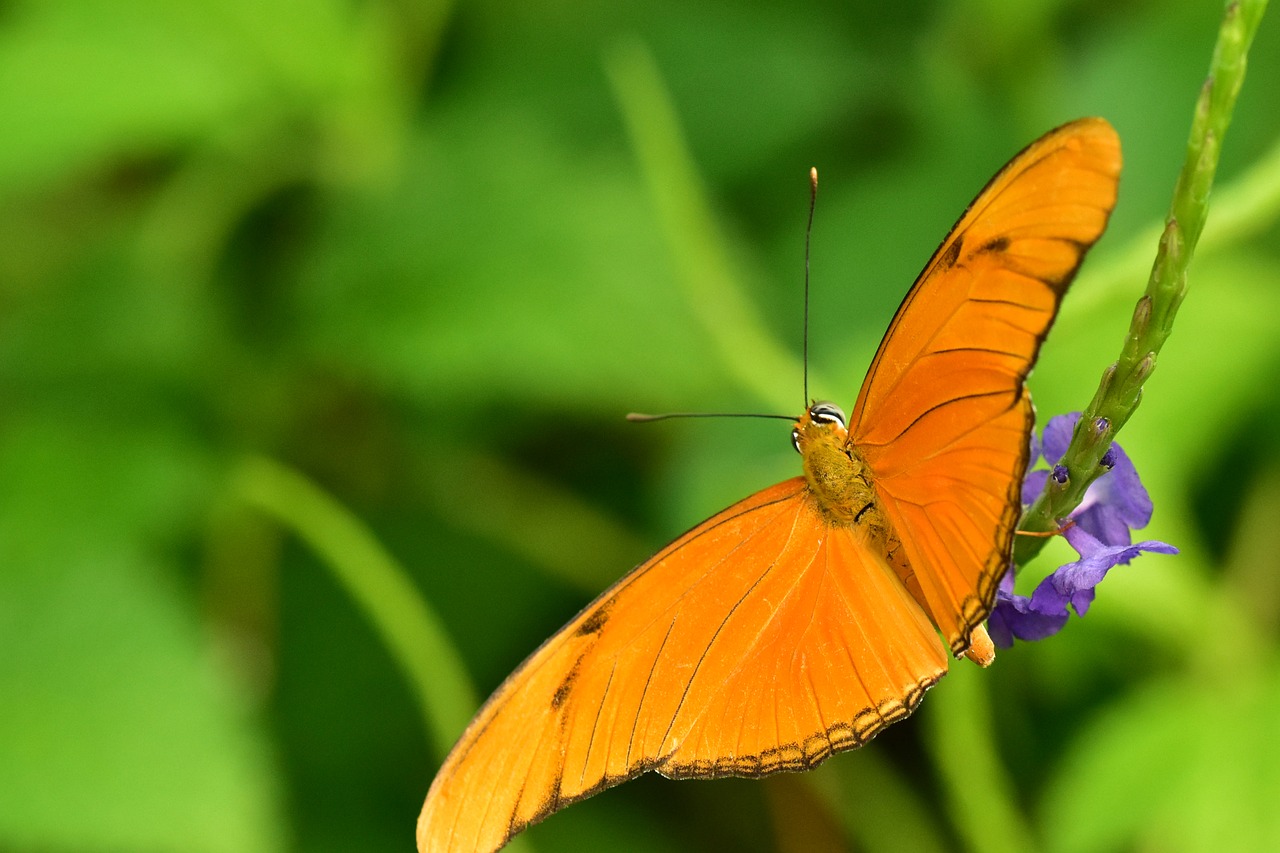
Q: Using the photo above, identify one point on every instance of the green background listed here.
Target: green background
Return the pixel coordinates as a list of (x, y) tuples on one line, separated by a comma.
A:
[(411, 253)]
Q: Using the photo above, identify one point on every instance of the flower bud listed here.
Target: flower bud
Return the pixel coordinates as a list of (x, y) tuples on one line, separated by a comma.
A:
[(1145, 368), (1141, 318)]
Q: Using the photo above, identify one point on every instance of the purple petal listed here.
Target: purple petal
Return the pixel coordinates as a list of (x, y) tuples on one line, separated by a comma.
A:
[(1105, 523), (1035, 450), (1071, 585), (1033, 485), (1057, 435), (1048, 599), (1115, 503), (1121, 488), (1033, 626), (1006, 582), (1016, 616), (997, 628), (1074, 582)]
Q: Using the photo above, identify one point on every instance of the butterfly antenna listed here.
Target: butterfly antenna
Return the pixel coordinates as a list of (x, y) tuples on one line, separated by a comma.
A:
[(638, 418), (808, 231)]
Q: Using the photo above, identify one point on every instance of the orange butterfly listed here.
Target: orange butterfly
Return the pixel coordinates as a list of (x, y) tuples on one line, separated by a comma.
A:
[(804, 619)]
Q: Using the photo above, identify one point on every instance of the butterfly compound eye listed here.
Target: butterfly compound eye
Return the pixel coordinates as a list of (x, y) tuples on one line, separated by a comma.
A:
[(795, 438), (827, 413)]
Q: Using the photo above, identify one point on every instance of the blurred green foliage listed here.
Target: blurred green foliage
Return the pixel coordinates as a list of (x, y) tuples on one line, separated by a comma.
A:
[(409, 253)]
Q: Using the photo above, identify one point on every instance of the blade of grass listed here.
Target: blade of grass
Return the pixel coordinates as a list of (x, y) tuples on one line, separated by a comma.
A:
[(878, 807), (569, 539), (411, 631), (979, 793), (380, 586)]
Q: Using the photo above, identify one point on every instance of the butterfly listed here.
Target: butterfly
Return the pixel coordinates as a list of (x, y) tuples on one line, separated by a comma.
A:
[(804, 619)]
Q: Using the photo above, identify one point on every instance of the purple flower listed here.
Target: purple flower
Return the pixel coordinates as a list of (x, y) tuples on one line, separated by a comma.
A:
[(1115, 504), (1014, 616)]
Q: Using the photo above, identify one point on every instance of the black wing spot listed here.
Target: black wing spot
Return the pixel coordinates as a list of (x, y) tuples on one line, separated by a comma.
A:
[(566, 687), (952, 254), (593, 623), (562, 692), (999, 244)]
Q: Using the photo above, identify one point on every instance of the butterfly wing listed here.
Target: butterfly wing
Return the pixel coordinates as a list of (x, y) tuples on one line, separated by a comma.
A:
[(943, 415), (752, 644)]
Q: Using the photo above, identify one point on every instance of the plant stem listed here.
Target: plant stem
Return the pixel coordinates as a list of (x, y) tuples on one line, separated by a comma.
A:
[(412, 633), (1120, 391)]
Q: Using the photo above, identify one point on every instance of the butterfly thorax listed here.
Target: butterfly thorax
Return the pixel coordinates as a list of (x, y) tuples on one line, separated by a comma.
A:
[(838, 477)]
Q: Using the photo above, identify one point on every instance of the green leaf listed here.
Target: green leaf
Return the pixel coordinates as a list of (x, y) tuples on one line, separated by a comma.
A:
[(441, 298), (123, 733), (87, 81)]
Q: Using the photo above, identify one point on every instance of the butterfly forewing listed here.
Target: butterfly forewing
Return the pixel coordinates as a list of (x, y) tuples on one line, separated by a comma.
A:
[(943, 416), (762, 640)]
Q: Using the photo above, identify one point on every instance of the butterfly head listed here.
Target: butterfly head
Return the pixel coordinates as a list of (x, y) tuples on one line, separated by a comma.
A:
[(822, 421)]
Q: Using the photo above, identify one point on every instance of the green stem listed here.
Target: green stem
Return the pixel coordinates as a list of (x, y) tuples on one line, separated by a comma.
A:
[(1120, 392), (978, 792), (566, 537), (878, 806), (377, 583)]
